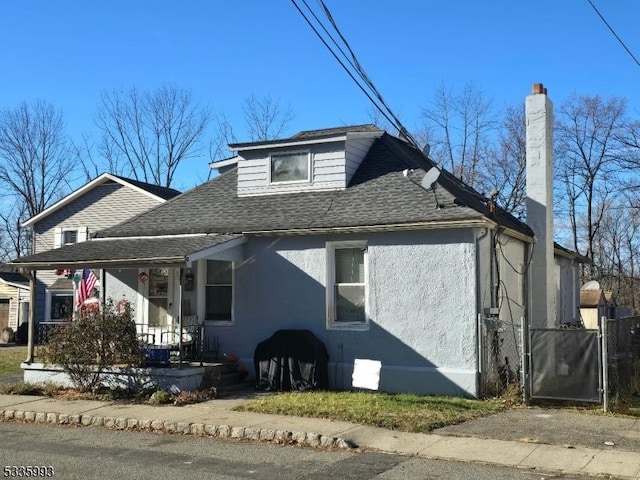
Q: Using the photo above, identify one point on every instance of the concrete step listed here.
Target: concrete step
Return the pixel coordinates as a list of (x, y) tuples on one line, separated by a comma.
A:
[(224, 377)]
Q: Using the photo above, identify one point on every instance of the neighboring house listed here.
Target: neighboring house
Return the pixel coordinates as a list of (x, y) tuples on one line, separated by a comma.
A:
[(596, 303), (350, 233), (105, 201), (14, 299), (567, 276)]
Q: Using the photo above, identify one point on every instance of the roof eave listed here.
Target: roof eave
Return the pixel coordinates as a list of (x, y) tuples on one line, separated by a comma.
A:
[(125, 262), (479, 222), (292, 142)]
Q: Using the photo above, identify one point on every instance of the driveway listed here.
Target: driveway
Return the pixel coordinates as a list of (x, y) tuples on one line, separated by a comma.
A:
[(554, 426)]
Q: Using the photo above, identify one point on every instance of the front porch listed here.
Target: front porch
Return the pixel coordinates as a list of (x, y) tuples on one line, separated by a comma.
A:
[(224, 377)]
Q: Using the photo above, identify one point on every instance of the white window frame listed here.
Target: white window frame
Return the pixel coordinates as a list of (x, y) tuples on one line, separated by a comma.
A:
[(332, 322), (64, 234), (290, 153), (82, 234), (202, 293), (49, 300)]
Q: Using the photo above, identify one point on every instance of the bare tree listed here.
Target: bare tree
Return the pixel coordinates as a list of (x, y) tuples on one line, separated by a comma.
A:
[(458, 127), (505, 170), (588, 133), (266, 118), (148, 134), (616, 246), (34, 158), (15, 241)]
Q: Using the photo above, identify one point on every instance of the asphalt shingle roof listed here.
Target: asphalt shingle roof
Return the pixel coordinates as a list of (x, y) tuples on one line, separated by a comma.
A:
[(378, 194), (124, 251), (14, 277), (163, 192), (385, 191)]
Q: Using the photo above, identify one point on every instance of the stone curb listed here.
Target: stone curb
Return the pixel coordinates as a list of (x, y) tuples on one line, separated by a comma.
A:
[(308, 439)]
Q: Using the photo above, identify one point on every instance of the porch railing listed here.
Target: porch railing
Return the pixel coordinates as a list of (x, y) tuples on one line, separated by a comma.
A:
[(166, 344), (162, 344)]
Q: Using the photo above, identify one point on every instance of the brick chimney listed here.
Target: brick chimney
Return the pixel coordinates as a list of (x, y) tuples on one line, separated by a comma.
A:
[(539, 151)]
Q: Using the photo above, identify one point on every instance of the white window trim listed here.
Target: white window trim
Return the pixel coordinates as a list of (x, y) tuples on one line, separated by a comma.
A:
[(332, 324), (291, 182), (47, 303), (58, 240), (202, 293)]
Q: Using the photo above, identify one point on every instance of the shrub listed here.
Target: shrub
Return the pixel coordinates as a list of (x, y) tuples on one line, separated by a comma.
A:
[(97, 339), (160, 397)]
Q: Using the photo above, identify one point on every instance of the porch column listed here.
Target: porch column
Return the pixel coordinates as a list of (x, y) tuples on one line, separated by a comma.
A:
[(32, 312)]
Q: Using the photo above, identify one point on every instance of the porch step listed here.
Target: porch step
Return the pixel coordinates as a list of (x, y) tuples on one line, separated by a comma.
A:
[(224, 377)]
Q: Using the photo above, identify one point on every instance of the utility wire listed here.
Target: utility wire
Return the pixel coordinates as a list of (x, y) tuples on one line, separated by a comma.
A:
[(356, 69), (386, 116), (363, 74), (614, 33)]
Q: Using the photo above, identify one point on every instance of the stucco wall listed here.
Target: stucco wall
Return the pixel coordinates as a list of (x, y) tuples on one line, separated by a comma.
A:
[(121, 284), (422, 306)]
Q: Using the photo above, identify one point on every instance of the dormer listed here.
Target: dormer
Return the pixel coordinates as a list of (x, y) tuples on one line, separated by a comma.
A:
[(309, 161)]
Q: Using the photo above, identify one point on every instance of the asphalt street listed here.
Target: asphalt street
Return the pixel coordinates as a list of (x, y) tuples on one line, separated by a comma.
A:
[(96, 453)]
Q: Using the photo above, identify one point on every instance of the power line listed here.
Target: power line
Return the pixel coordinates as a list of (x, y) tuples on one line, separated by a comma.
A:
[(351, 65), (361, 71), (614, 33)]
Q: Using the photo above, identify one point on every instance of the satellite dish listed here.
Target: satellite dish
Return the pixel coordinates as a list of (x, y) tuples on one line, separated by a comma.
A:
[(430, 178), (591, 285)]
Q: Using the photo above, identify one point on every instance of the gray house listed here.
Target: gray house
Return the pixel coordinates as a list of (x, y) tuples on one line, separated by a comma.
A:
[(103, 202), (350, 233)]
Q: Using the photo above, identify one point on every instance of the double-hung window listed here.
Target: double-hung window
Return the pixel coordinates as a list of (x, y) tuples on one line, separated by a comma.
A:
[(60, 305), (219, 291), (290, 167), (347, 284), (69, 237)]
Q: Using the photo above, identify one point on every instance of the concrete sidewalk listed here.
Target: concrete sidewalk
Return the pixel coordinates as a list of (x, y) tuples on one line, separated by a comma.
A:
[(473, 443)]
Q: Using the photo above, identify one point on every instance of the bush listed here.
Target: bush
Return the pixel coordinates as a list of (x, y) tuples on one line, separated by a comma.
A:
[(160, 397), (6, 335), (98, 339)]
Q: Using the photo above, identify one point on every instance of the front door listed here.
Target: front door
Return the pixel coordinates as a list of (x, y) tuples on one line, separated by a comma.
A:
[(156, 306), (4, 313), (158, 297)]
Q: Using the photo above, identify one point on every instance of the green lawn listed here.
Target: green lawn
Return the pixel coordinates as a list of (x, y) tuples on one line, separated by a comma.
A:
[(11, 358), (404, 412)]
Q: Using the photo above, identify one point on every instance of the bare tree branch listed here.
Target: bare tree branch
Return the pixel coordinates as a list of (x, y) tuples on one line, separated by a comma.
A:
[(35, 160), (148, 134)]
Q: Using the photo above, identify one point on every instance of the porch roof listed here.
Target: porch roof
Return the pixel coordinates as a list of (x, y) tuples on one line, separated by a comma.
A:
[(175, 250)]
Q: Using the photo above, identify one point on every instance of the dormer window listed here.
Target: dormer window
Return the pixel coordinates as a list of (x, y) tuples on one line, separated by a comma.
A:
[(290, 167)]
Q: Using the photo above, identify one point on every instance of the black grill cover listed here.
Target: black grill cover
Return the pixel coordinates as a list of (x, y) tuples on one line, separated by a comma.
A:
[(291, 360)]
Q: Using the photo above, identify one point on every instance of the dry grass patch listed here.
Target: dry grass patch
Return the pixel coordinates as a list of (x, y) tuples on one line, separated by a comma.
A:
[(404, 412), (11, 358)]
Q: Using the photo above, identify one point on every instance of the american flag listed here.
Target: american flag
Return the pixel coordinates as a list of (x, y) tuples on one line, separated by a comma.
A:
[(85, 287)]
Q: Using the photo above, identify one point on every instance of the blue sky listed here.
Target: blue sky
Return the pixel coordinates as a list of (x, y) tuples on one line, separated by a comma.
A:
[(68, 52)]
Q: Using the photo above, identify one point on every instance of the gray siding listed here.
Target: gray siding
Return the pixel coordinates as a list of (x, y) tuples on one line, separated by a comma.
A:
[(567, 277), (422, 306), (332, 167), (103, 206), (355, 151), (510, 278)]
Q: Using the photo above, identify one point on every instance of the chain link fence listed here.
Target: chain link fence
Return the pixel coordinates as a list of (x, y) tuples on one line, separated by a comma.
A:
[(500, 355), (623, 356)]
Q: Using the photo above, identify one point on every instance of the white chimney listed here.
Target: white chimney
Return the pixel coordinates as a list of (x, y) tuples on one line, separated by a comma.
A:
[(539, 118)]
